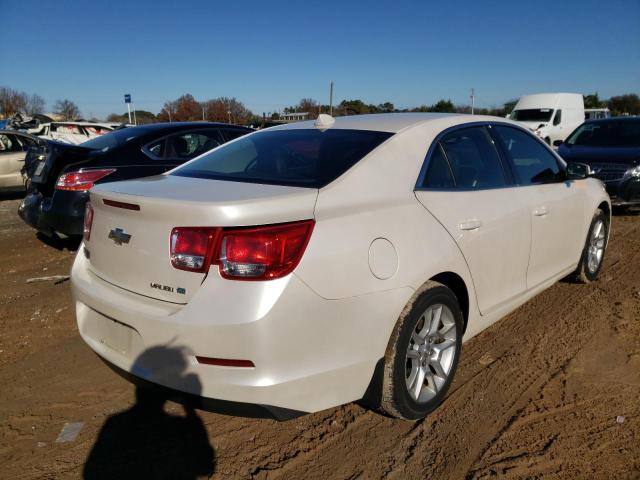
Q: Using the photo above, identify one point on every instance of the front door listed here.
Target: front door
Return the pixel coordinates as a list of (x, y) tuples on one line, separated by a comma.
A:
[(555, 205)]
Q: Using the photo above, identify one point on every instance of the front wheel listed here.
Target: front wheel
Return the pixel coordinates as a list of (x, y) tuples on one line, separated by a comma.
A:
[(594, 249), (423, 354)]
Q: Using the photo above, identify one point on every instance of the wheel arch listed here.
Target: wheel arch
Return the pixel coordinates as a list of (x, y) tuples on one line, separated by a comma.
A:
[(606, 208), (456, 284)]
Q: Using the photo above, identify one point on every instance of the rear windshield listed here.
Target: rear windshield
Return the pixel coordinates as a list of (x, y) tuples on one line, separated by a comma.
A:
[(114, 139), (610, 133), (532, 115), (303, 158)]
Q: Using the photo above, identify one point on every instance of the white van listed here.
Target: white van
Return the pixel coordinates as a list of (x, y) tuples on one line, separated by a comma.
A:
[(551, 116)]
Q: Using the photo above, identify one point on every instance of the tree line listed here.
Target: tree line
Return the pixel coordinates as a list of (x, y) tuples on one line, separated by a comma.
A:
[(13, 102), (231, 110)]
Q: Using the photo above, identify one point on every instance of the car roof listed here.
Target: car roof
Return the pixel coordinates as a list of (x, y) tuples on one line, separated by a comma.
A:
[(395, 122)]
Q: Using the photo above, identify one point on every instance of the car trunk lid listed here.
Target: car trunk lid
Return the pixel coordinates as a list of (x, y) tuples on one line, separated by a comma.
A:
[(44, 163), (129, 244)]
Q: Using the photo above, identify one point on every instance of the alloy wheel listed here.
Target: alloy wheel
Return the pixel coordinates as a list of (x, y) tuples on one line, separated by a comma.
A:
[(430, 353)]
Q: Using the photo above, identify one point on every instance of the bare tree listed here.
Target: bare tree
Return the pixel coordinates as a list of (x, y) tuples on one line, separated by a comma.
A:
[(308, 105), (11, 101), (35, 104), (66, 109)]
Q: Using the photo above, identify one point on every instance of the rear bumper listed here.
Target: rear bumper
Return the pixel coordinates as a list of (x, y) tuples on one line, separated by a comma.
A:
[(62, 213), (309, 353)]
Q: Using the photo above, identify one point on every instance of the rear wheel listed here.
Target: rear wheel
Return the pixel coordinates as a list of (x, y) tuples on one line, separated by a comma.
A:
[(423, 354), (594, 249)]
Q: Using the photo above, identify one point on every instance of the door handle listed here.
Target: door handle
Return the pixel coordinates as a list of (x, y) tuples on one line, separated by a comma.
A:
[(470, 225), (541, 211)]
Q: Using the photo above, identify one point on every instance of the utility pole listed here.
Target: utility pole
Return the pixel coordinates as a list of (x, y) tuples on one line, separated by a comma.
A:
[(473, 100), (331, 99), (202, 105), (135, 120)]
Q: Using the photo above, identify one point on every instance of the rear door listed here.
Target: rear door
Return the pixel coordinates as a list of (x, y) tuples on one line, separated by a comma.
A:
[(465, 185), (555, 205)]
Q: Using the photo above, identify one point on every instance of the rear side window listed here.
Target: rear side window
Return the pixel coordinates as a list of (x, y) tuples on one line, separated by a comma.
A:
[(439, 173), (233, 133), (533, 163), (297, 157), (473, 159), (184, 145)]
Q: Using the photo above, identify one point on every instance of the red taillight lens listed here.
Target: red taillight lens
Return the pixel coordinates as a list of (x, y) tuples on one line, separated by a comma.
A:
[(191, 247), (263, 253), (81, 180), (259, 253), (88, 221)]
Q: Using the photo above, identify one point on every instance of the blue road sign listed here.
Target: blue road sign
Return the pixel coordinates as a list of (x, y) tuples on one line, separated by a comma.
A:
[(127, 98)]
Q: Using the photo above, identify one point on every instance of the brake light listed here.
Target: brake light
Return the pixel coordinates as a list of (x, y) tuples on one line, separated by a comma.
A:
[(192, 247), (88, 221), (263, 253), (81, 180), (257, 253)]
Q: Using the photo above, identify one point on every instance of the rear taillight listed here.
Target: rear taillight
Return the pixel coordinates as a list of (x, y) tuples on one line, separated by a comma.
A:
[(81, 180), (88, 221), (192, 247), (257, 253), (263, 253)]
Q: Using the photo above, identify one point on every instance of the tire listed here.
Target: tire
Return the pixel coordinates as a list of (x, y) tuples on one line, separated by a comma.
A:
[(587, 271), (417, 349)]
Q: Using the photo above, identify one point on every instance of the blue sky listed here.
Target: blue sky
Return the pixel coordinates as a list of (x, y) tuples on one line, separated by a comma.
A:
[(271, 54)]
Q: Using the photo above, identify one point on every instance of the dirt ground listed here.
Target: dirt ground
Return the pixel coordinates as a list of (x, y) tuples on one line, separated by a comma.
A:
[(551, 391)]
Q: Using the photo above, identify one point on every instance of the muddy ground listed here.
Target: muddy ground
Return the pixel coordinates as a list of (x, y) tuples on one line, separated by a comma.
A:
[(551, 391)]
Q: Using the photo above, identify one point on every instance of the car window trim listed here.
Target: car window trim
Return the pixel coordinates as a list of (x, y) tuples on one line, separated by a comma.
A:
[(561, 165), (510, 180)]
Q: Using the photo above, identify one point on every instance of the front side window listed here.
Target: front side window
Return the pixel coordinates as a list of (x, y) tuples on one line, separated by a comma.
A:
[(292, 157), (533, 162), (473, 159), (558, 117)]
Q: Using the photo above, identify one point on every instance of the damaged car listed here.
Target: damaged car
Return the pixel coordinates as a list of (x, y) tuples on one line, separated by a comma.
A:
[(13, 150), (61, 175)]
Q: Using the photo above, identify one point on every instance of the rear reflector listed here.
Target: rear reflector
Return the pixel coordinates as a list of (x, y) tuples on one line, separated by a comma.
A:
[(82, 180), (88, 221), (225, 362), (126, 206)]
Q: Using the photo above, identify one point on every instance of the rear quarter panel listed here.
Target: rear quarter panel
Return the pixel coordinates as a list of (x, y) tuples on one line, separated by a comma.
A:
[(375, 199)]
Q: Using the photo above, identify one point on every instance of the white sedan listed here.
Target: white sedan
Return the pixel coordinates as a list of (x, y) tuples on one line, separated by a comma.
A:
[(318, 263)]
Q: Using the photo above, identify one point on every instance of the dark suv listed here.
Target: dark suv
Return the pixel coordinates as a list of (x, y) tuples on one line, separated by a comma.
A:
[(60, 175)]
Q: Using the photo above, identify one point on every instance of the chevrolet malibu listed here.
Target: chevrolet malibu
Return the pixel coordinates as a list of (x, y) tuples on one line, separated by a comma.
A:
[(317, 263)]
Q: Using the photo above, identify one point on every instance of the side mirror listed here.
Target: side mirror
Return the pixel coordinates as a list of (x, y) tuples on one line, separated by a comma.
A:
[(557, 143), (578, 171)]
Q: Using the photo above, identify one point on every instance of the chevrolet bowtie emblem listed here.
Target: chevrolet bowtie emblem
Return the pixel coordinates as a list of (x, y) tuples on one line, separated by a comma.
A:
[(119, 236)]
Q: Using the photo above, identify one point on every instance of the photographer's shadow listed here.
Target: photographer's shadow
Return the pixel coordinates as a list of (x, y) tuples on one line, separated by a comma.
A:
[(147, 442)]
